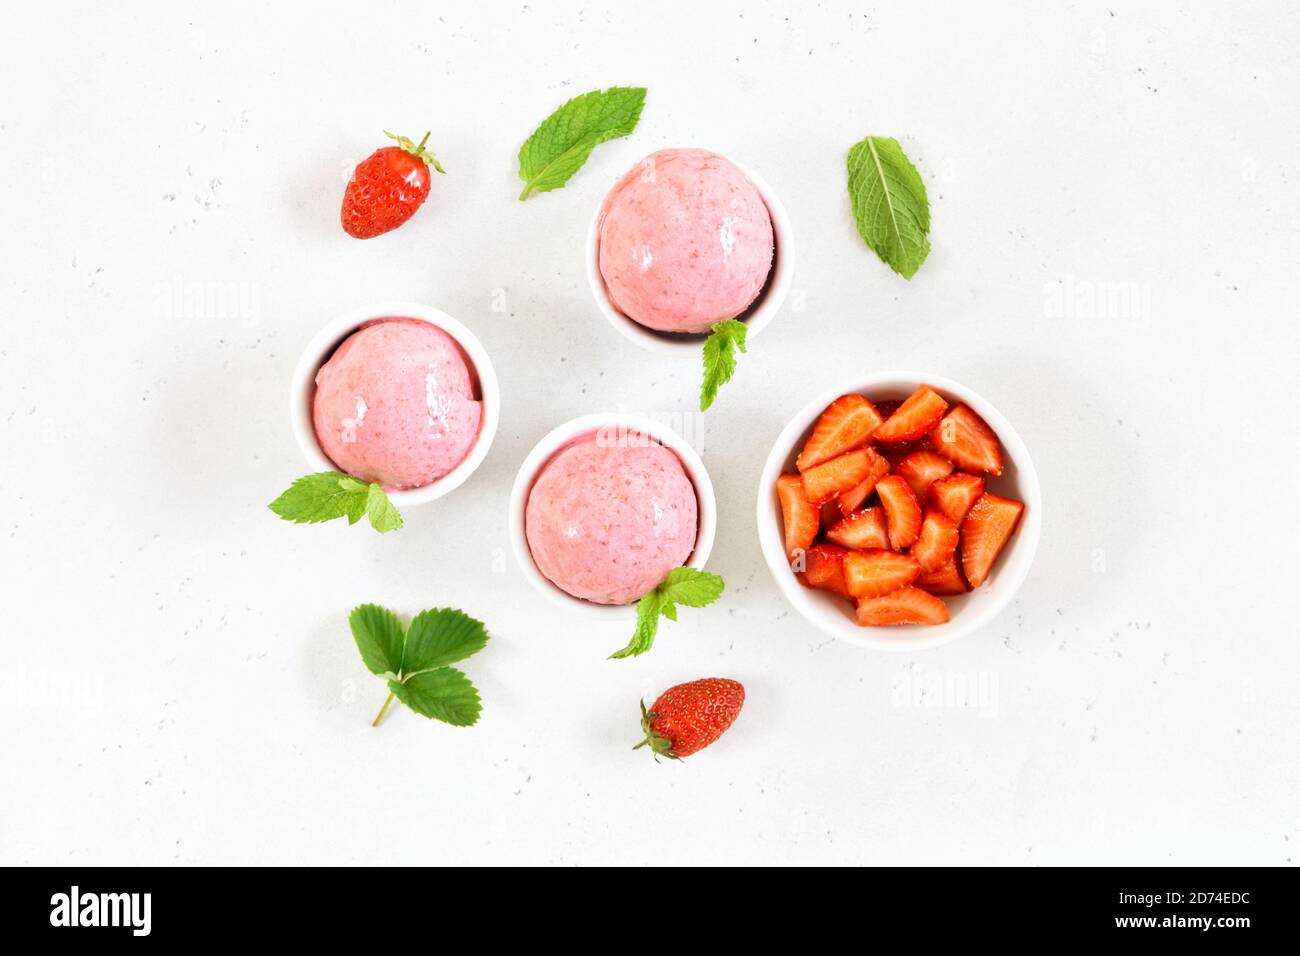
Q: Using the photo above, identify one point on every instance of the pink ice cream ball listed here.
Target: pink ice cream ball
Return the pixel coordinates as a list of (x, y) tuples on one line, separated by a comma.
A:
[(685, 241), (395, 404), (607, 520)]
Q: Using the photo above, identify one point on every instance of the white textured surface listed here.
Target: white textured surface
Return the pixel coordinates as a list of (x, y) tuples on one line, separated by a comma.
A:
[(178, 680)]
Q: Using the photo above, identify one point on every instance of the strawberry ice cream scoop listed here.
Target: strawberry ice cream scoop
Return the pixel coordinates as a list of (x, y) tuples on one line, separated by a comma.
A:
[(685, 241), (607, 520), (395, 404)]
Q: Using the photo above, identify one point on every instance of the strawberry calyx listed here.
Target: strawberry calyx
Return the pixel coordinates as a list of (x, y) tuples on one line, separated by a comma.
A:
[(417, 149), (659, 745)]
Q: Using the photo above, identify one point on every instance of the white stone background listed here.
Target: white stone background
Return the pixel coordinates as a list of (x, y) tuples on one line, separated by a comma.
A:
[(178, 682)]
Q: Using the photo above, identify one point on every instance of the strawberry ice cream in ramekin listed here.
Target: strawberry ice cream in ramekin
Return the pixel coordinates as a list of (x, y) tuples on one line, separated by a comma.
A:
[(685, 240), (395, 404), (397, 393), (605, 506)]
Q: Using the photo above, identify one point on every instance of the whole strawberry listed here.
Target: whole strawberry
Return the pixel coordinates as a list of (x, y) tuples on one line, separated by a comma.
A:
[(387, 187), (690, 716)]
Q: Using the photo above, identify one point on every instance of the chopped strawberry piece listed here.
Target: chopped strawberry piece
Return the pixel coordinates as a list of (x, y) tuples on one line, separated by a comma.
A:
[(824, 568), (955, 494), (946, 580), (865, 529), (875, 572), (921, 468), (800, 516), (937, 542), (902, 511), (823, 482), (851, 500), (963, 438), (847, 423), (830, 514), (914, 418), (904, 606), (988, 525)]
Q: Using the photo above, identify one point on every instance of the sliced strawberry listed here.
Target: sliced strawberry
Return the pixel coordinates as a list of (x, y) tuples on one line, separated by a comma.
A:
[(823, 482), (988, 525), (852, 499), (904, 606), (830, 514), (937, 542), (825, 568), (846, 424), (902, 511), (875, 572), (921, 468), (800, 516), (964, 439), (914, 418), (946, 580), (955, 494), (898, 452), (865, 529)]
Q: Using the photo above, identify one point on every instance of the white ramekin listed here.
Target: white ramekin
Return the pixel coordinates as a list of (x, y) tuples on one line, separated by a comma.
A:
[(321, 347), (968, 612), (557, 439), (755, 318)]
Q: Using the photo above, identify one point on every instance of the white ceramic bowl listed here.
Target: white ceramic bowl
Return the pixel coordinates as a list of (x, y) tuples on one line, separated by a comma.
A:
[(322, 346), (557, 439), (968, 612), (756, 318)]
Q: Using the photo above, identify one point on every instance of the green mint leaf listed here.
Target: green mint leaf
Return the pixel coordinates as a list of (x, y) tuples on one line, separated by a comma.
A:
[(558, 148), (315, 498), (687, 586), (647, 623), (444, 694), (383, 516), (719, 360), (890, 206), (440, 637), (691, 587), (379, 638), (331, 494)]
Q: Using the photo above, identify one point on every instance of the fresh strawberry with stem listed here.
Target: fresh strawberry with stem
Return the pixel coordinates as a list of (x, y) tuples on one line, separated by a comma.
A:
[(688, 717), (387, 187)]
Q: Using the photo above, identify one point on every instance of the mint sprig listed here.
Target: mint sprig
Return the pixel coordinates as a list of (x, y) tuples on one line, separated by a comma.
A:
[(719, 359), (687, 586), (326, 495), (890, 205), (413, 660), (560, 146)]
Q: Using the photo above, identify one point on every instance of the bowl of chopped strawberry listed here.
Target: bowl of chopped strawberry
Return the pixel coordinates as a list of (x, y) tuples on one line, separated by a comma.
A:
[(900, 512)]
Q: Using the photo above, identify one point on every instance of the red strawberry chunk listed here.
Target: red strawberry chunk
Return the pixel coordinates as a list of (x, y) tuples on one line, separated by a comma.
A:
[(914, 418), (875, 572), (902, 511), (865, 529), (946, 580), (823, 482), (846, 424), (850, 500), (921, 468), (988, 525), (964, 439), (904, 606), (937, 542), (824, 568), (799, 515), (955, 494)]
